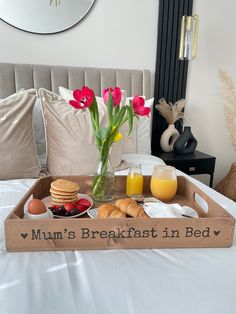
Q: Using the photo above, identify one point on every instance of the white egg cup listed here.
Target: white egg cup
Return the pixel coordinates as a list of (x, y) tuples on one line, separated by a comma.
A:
[(47, 215)]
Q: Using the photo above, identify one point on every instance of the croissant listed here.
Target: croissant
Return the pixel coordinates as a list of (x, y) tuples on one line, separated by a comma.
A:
[(131, 208), (110, 211)]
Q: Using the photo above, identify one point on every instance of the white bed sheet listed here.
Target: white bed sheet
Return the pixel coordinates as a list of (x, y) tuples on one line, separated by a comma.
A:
[(168, 281)]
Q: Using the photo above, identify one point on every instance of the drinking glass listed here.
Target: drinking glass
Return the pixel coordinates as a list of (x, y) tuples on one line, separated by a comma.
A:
[(164, 182), (134, 181)]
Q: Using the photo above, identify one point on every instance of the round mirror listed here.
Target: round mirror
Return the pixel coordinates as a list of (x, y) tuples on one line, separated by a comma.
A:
[(44, 16)]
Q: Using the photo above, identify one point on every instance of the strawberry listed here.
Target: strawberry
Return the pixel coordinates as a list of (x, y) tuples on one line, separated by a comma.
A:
[(84, 202), (81, 208), (68, 207)]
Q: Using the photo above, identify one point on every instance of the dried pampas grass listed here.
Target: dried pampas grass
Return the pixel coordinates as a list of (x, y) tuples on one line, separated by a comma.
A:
[(229, 93), (171, 112)]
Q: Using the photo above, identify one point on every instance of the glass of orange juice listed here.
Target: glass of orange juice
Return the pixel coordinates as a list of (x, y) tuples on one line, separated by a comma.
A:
[(164, 182), (134, 181)]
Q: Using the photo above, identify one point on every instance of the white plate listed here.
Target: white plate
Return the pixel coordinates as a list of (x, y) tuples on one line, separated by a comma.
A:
[(93, 212), (47, 202)]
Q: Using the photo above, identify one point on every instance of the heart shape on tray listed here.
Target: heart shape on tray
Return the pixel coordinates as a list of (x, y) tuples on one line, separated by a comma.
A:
[(24, 235)]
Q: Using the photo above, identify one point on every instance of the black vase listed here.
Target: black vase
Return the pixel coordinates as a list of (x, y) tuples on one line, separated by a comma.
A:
[(186, 142)]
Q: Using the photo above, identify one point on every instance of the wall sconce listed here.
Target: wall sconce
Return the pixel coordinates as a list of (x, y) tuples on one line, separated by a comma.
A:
[(188, 37)]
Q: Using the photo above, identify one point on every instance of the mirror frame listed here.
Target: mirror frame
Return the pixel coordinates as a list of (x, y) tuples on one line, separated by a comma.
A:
[(52, 33)]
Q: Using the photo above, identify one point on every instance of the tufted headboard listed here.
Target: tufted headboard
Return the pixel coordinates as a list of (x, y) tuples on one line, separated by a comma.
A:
[(16, 76)]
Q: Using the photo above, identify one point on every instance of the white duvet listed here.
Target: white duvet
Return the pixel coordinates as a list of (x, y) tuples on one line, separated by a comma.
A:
[(168, 281)]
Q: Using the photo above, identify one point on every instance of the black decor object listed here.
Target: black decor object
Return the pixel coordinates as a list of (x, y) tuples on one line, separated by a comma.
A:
[(186, 142), (170, 72)]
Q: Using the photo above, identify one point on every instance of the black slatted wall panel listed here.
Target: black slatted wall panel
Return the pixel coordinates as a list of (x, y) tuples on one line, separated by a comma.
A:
[(171, 73)]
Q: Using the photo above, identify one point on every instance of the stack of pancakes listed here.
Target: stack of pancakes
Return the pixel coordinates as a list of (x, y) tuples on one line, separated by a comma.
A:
[(63, 192)]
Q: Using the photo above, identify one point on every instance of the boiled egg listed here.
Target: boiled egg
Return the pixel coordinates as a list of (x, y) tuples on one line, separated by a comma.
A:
[(36, 207)]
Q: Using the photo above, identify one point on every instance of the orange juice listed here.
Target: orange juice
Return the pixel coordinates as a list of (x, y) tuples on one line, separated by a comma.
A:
[(163, 189), (134, 184)]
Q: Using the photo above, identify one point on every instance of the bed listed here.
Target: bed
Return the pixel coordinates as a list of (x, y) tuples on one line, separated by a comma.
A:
[(182, 281)]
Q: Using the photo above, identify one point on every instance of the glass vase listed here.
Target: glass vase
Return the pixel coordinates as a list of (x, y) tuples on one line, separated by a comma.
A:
[(104, 181)]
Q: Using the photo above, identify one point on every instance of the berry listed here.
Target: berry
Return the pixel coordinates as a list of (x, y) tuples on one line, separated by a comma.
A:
[(74, 212), (61, 211), (84, 202), (67, 213), (81, 208), (69, 207), (56, 211), (51, 209)]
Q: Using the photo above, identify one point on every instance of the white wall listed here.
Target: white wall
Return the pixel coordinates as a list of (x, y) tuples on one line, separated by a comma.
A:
[(216, 48), (119, 34), (123, 34)]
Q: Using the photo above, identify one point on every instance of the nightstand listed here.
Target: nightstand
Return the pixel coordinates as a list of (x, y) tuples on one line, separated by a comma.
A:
[(194, 163)]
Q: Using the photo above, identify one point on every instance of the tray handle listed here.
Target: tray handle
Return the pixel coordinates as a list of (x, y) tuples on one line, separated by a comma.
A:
[(205, 205), (200, 203)]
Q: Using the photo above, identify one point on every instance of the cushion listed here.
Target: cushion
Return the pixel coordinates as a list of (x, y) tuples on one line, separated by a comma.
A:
[(39, 133), (18, 158), (71, 148), (139, 141)]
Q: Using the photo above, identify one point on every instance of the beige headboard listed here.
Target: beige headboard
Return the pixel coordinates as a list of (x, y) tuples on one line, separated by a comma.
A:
[(16, 76)]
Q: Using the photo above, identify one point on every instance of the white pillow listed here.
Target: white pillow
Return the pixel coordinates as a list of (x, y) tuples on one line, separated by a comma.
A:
[(144, 130), (139, 141)]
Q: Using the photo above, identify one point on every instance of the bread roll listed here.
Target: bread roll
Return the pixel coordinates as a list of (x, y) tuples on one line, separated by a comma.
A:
[(110, 211), (131, 208)]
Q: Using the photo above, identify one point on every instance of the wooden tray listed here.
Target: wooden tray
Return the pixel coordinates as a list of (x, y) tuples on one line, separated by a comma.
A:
[(214, 228)]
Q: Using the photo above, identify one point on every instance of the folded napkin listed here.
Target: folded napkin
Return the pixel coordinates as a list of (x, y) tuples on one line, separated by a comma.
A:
[(162, 210)]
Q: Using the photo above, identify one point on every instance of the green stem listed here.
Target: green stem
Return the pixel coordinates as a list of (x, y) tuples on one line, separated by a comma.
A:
[(98, 184)]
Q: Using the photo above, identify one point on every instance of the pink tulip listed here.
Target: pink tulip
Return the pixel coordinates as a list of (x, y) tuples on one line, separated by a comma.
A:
[(115, 93), (138, 104), (83, 98)]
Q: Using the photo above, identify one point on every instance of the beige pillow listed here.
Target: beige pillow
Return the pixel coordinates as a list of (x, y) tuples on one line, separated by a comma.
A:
[(18, 157), (71, 148)]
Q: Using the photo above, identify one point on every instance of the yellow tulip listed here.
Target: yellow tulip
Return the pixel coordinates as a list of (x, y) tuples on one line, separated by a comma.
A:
[(118, 137)]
